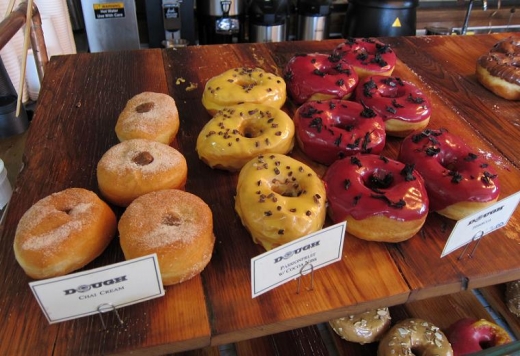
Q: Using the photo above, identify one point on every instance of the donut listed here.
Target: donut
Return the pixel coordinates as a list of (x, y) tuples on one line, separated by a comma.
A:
[(243, 85), (149, 115), (318, 76), (459, 182), (330, 130), (174, 224), (363, 328), (512, 297), (63, 232), (279, 199), (415, 334), (469, 335), (235, 135), (381, 199), (139, 166), (403, 107), (499, 70), (368, 56)]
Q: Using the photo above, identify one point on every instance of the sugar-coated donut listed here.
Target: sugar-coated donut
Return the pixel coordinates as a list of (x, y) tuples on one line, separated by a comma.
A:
[(237, 134), (136, 167), (317, 76), (403, 107), (63, 232), (174, 224), (381, 199), (149, 115), (459, 181), (279, 199), (470, 335), (363, 328), (499, 70), (330, 130), (368, 56), (243, 85), (512, 297), (421, 336)]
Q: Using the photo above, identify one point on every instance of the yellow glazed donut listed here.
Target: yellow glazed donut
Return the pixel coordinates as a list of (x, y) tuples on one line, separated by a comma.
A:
[(149, 115), (243, 85), (237, 134), (279, 199), (424, 338), (364, 327)]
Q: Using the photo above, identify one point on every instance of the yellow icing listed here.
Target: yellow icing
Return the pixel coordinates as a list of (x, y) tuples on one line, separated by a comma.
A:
[(279, 199), (237, 134), (244, 85)]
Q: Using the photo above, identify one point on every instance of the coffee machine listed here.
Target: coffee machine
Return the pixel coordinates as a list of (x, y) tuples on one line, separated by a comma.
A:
[(313, 19), (170, 21), (221, 21), (268, 20)]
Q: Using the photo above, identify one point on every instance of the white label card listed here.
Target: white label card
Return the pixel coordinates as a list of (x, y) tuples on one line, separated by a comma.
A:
[(282, 264), (84, 293), (477, 225)]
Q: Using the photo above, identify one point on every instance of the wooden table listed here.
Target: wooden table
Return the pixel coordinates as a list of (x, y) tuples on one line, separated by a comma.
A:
[(73, 126)]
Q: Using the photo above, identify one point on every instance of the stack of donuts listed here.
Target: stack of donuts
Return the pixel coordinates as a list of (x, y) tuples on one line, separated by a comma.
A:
[(348, 102), (143, 174)]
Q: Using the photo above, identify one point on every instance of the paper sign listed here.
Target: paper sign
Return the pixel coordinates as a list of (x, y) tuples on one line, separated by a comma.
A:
[(285, 263), (81, 294), (477, 225)]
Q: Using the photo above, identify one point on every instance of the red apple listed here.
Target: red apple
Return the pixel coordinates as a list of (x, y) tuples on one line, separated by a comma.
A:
[(469, 335)]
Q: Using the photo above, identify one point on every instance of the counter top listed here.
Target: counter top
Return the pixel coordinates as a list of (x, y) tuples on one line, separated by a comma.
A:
[(81, 98)]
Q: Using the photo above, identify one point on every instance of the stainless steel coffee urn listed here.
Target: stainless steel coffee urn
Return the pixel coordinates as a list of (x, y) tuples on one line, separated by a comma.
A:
[(313, 19), (221, 21), (268, 20)]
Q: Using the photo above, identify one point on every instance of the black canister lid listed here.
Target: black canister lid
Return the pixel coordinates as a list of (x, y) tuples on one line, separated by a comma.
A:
[(392, 4)]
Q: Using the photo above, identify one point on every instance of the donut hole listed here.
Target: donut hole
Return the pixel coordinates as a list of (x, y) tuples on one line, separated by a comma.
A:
[(287, 188), (144, 107), (379, 179), (171, 219), (250, 130), (246, 84), (143, 158)]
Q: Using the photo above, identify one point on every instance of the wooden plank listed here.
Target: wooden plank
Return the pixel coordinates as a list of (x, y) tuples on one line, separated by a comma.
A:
[(80, 101)]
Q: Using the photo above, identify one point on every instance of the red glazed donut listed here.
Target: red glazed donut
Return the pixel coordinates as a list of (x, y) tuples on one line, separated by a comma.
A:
[(330, 130), (459, 182), (368, 56), (381, 199), (403, 107), (468, 336), (319, 76)]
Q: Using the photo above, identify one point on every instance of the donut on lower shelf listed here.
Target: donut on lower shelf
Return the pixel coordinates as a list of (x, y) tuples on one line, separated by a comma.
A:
[(237, 134), (469, 335), (368, 56), (63, 232), (499, 70), (381, 199), (176, 225), (414, 337), (403, 107), (243, 85), (149, 115), (318, 76), (135, 167), (279, 199), (459, 181), (363, 328), (330, 130)]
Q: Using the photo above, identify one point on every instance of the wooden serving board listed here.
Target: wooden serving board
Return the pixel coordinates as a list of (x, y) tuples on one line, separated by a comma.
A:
[(81, 98)]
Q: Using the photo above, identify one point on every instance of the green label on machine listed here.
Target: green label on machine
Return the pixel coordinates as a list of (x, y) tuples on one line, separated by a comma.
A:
[(109, 10)]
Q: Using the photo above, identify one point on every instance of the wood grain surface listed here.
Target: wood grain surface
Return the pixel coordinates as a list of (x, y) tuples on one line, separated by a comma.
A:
[(73, 126)]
